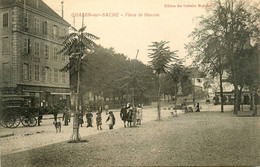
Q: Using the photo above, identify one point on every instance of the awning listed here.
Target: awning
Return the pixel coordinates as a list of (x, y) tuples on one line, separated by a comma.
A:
[(56, 93), (34, 91)]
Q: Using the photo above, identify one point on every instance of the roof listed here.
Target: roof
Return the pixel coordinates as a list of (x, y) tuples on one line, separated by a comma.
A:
[(42, 7)]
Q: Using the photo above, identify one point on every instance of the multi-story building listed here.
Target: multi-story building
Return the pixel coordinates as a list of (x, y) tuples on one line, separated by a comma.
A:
[(30, 65)]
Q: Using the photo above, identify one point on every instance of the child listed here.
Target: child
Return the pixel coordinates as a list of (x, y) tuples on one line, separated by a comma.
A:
[(99, 120), (111, 119)]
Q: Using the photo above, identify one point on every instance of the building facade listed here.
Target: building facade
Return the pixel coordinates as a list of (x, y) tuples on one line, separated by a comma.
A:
[(30, 65)]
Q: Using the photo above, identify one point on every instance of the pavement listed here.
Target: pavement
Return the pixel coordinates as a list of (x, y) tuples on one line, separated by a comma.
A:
[(26, 138)]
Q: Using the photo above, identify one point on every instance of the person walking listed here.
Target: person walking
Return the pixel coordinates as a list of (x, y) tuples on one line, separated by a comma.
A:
[(139, 115), (80, 116), (111, 120), (89, 116), (106, 108), (99, 120), (130, 116), (55, 113), (65, 117), (40, 115), (123, 115), (198, 107), (134, 115)]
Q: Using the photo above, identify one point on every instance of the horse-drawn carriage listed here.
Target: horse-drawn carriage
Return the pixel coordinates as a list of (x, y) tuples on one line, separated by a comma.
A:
[(16, 109)]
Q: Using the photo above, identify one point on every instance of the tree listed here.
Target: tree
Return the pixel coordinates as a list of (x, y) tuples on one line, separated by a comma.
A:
[(181, 75), (207, 49), (223, 34), (161, 57), (76, 45), (246, 73)]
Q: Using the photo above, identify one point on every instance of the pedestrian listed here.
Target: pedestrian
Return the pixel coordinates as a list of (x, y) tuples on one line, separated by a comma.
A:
[(55, 113), (198, 107), (139, 114), (106, 108), (123, 114), (134, 115), (99, 120), (130, 116), (111, 120), (80, 120), (89, 116), (40, 111), (100, 109), (69, 113), (65, 117)]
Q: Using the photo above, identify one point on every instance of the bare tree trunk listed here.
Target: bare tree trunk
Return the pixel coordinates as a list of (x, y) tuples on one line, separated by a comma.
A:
[(237, 103), (158, 98), (239, 99), (221, 92), (75, 136)]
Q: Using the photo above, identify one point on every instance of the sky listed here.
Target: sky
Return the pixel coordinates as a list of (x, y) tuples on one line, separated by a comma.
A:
[(119, 25)]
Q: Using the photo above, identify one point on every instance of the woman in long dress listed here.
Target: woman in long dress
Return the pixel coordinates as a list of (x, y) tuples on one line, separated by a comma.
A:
[(139, 115)]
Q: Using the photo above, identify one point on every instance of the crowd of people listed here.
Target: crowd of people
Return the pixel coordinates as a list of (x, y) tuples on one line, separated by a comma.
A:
[(130, 114)]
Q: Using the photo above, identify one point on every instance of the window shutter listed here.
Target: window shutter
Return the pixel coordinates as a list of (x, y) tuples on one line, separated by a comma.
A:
[(21, 70), (50, 75), (29, 46), (43, 74), (30, 72), (43, 27)]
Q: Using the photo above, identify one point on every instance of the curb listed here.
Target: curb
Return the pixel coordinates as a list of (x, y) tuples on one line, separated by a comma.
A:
[(7, 135)]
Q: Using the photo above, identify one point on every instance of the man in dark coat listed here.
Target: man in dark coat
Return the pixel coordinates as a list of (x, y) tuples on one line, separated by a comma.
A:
[(89, 116), (66, 117), (123, 114)]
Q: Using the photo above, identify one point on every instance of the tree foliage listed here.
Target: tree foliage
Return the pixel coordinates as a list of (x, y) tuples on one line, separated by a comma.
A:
[(222, 38)]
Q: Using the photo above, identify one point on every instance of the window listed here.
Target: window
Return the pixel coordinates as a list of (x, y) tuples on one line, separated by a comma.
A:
[(47, 51), (5, 20), (55, 31), (30, 72), (36, 24), (6, 72), (50, 76), (36, 73), (26, 46), (45, 28), (25, 71), (63, 77), (45, 74), (56, 75), (55, 56), (5, 45), (37, 48), (26, 25)]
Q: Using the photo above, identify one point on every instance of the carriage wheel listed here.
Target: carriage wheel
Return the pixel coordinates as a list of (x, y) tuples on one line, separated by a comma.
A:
[(25, 121), (2, 123), (9, 120), (17, 121), (32, 121)]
